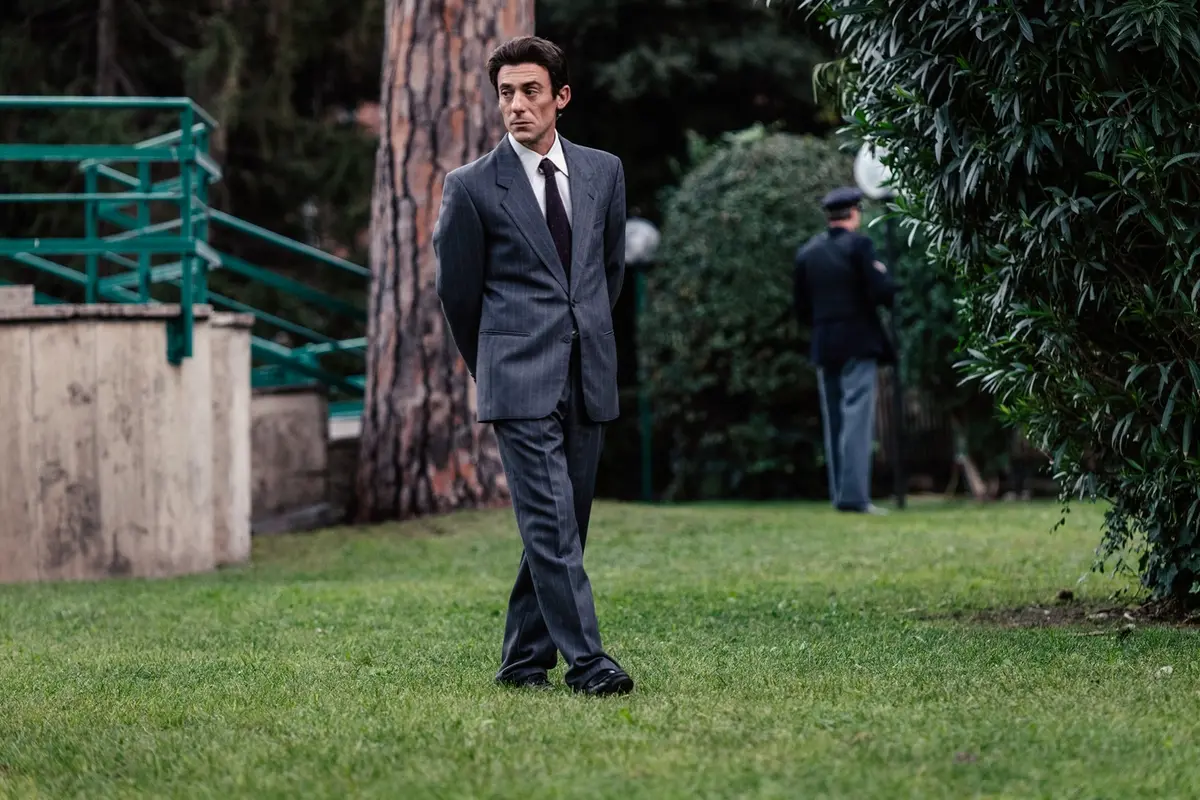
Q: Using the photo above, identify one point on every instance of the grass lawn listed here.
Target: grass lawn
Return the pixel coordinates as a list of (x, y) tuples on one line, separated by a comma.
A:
[(779, 651)]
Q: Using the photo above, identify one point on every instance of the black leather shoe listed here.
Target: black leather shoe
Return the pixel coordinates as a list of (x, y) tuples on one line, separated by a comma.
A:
[(608, 682), (536, 680)]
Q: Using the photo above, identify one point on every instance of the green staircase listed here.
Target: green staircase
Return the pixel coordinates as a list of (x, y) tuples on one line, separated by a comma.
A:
[(147, 233)]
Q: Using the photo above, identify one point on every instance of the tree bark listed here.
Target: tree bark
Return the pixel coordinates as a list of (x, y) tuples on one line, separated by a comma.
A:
[(422, 451)]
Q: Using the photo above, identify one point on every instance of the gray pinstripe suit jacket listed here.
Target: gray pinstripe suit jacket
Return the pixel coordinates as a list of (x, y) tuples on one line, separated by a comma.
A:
[(504, 291)]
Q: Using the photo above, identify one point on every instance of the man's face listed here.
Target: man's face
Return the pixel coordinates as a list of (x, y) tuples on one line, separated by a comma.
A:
[(529, 106)]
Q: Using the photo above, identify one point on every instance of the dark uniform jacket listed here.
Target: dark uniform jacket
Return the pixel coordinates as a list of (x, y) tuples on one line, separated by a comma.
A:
[(838, 290)]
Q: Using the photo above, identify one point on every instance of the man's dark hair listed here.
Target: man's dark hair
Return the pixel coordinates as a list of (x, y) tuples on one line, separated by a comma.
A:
[(530, 50), (839, 214)]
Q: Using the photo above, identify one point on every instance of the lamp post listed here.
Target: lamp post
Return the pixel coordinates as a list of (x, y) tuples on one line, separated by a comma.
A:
[(873, 178), (641, 246)]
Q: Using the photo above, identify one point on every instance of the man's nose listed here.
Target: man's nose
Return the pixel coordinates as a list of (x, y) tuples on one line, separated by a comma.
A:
[(518, 104)]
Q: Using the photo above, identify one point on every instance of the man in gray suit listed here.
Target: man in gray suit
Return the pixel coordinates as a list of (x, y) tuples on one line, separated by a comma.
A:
[(530, 242)]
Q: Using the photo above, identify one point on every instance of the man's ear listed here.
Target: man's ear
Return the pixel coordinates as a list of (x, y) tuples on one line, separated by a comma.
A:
[(564, 97)]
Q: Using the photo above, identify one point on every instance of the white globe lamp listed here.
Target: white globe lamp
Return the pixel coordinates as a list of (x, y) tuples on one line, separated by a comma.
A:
[(641, 240), (872, 177)]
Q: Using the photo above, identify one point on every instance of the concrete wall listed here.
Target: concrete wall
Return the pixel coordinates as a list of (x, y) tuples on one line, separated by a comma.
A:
[(108, 449), (290, 454), (16, 296), (230, 348), (118, 463)]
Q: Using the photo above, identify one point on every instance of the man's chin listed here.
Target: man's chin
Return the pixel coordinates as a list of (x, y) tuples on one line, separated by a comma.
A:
[(524, 135)]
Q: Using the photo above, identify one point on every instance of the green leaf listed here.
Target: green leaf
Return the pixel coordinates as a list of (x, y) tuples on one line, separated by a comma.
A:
[(1180, 158), (1170, 407), (1026, 29)]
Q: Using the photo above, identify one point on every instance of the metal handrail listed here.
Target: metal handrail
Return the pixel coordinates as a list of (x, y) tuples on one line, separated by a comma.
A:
[(184, 239), (187, 148)]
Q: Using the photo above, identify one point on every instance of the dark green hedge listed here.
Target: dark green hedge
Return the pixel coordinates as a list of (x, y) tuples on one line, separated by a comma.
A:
[(727, 367)]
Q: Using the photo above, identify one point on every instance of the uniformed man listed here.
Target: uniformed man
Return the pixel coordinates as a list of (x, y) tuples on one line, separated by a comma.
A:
[(839, 284)]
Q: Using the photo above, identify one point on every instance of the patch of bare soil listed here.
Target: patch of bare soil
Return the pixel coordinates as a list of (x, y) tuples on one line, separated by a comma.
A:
[(1066, 611)]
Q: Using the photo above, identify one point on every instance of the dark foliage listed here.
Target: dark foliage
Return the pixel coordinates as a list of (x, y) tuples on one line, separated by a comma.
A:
[(931, 336), (645, 72), (726, 360), (1050, 152)]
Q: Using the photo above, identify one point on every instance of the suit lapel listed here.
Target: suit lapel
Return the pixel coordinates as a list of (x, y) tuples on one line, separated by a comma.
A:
[(521, 205), (583, 204)]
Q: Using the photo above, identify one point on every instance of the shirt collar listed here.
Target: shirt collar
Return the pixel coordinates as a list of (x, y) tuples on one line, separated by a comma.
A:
[(531, 160)]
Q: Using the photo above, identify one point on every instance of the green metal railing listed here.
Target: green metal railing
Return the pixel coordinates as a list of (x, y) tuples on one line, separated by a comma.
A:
[(146, 249)]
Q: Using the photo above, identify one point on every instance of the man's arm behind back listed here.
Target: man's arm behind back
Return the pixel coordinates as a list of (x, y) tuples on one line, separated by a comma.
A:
[(881, 287), (459, 246)]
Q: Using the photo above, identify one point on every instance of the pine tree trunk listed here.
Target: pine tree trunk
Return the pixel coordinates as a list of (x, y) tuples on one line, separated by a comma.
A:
[(422, 451)]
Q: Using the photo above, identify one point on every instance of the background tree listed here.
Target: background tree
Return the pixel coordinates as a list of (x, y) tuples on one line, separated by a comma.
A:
[(422, 450), (1053, 163)]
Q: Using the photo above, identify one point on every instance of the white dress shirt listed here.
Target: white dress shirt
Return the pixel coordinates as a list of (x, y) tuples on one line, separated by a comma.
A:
[(530, 161)]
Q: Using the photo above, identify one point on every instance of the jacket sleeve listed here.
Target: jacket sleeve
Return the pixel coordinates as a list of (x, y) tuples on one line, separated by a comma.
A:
[(877, 276), (614, 238), (458, 244)]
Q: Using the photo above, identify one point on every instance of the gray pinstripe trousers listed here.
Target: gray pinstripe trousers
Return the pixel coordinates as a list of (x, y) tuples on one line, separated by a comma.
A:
[(551, 466)]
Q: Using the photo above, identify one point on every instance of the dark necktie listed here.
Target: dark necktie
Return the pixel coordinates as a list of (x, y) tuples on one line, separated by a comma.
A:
[(556, 216)]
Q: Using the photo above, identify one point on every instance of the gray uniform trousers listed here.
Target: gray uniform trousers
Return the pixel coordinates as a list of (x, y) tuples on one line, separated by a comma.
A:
[(848, 413)]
